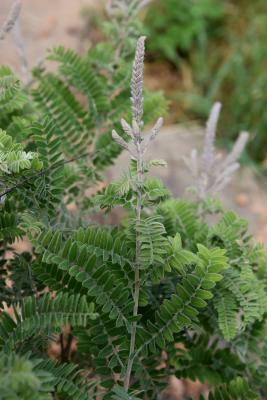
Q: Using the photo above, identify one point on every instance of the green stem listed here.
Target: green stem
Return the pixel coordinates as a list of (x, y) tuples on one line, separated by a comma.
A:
[(137, 266)]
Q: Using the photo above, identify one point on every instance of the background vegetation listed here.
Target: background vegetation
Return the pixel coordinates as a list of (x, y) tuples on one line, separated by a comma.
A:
[(219, 51)]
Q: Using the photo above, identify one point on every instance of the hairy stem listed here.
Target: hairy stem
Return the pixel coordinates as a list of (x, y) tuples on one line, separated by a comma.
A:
[(135, 133), (137, 264)]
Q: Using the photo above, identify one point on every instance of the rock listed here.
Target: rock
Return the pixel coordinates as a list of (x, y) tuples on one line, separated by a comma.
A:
[(242, 199), (48, 26)]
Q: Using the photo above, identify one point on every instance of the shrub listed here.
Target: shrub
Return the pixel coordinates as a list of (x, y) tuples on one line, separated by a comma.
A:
[(220, 53), (112, 299), (235, 74), (163, 276), (177, 27), (73, 110), (20, 381)]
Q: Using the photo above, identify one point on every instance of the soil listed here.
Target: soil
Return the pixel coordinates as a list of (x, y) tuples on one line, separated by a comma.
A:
[(44, 24)]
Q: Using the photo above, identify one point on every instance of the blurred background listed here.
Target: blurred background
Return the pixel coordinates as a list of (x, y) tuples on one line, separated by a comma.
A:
[(218, 50), (198, 52)]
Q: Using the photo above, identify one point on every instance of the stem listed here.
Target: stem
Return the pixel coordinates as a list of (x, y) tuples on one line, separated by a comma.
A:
[(65, 350), (137, 265), (42, 172)]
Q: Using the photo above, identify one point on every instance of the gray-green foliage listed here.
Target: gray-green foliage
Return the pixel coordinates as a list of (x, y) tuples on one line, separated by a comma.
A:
[(115, 297), (20, 380), (69, 122)]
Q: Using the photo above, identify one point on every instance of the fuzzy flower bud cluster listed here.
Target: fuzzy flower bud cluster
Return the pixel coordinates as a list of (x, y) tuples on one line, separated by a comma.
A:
[(122, 7), (11, 20), (210, 171), (137, 145)]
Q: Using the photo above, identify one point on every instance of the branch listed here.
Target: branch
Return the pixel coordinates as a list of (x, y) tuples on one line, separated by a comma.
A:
[(11, 19), (137, 107), (66, 350), (43, 171), (20, 47)]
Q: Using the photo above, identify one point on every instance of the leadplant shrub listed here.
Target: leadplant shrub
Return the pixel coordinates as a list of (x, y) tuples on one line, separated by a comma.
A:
[(115, 298), (164, 292), (67, 116), (19, 380)]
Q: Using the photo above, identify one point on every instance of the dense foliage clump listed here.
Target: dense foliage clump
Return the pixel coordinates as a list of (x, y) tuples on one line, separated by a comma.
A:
[(218, 48)]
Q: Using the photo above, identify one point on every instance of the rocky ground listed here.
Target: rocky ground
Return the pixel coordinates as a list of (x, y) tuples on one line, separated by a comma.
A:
[(44, 23)]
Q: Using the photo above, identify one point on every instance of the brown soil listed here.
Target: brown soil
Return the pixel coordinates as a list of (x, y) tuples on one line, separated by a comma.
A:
[(162, 76)]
